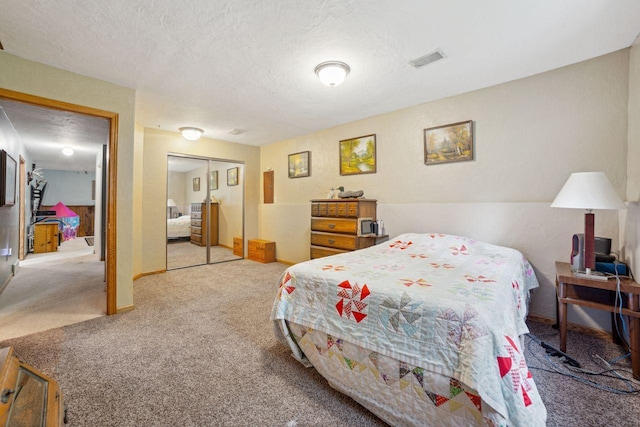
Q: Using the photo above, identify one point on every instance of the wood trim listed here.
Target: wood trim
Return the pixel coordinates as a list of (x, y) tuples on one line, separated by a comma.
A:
[(112, 198), (282, 261), (150, 273), (598, 333), (125, 309), (21, 208), (112, 160)]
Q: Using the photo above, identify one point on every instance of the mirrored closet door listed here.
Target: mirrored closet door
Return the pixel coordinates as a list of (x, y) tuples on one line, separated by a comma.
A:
[(203, 230)]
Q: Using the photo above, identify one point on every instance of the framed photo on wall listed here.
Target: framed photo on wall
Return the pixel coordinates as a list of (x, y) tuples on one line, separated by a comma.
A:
[(358, 155), (196, 184), (8, 170), (448, 143), (213, 180), (300, 164), (232, 176)]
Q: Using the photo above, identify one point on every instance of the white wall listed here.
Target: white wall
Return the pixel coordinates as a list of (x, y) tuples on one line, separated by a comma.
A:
[(230, 200), (530, 135), (9, 215), (631, 217), (177, 190), (29, 77), (72, 188)]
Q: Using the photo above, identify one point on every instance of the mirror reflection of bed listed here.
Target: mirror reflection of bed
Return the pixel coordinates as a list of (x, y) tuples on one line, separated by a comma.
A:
[(190, 220)]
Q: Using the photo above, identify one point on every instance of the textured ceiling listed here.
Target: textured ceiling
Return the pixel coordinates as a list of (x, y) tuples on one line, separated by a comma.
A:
[(46, 131), (249, 64)]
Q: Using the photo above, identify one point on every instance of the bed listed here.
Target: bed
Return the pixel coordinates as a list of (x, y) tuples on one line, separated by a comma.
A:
[(424, 329), (179, 227)]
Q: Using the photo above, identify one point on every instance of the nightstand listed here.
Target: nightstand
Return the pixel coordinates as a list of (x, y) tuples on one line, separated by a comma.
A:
[(600, 295)]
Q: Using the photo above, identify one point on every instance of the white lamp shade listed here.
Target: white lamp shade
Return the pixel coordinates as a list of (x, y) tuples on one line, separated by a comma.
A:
[(171, 203), (332, 73), (588, 190), (191, 133)]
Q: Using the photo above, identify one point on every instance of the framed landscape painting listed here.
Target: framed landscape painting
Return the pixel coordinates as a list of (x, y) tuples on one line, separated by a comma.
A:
[(358, 155), (300, 164), (448, 143), (232, 176), (213, 180)]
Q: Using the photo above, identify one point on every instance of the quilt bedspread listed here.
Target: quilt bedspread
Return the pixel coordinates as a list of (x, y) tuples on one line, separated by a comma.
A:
[(446, 303)]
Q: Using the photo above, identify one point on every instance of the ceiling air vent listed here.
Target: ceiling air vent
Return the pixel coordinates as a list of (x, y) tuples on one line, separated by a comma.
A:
[(427, 59)]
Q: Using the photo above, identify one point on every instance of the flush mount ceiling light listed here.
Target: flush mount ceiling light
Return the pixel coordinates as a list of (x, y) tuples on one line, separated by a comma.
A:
[(332, 73), (191, 133), (67, 151)]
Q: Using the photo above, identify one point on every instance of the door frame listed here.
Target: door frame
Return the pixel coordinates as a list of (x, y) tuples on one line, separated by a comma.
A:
[(112, 171)]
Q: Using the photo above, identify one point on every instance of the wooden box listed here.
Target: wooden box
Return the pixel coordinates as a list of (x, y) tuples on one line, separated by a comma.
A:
[(262, 250), (238, 249), (45, 237)]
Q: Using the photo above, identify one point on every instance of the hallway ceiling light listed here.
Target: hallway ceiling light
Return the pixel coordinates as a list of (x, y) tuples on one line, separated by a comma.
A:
[(332, 73), (191, 133), (67, 151)]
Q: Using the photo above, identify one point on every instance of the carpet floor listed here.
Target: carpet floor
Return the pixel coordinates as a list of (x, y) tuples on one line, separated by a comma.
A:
[(181, 253), (199, 350)]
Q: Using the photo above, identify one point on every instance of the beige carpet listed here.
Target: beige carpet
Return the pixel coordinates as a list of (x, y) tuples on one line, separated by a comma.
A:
[(199, 350), (181, 253), (52, 290)]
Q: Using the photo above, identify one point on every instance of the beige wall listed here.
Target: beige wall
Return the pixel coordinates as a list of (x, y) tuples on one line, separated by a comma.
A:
[(530, 135), (158, 144), (631, 218), (138, 151), (41, 80)]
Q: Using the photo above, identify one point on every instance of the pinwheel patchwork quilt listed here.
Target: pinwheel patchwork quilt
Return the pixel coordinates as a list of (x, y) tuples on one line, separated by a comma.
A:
[(422, 330)]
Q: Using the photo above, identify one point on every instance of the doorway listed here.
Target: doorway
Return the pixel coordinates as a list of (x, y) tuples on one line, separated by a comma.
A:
[(205, 210), (110, 184)]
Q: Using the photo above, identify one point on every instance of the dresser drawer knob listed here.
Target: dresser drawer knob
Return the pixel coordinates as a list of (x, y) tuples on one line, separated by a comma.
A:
[(332, 241), (332, 226)]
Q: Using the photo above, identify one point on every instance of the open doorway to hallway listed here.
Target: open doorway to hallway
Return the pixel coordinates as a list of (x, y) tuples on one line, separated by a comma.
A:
[(61, 279)]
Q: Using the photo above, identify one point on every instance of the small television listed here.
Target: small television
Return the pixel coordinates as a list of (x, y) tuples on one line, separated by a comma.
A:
[(365, 226)]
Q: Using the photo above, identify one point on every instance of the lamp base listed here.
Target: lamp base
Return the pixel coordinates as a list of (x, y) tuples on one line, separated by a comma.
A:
[(591, 275)]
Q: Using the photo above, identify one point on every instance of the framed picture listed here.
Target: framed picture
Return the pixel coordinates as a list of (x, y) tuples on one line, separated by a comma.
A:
[(358, 155), (232, 176), (196, 184), (300, 164), (448, 143), (8, 167), (213, 180)]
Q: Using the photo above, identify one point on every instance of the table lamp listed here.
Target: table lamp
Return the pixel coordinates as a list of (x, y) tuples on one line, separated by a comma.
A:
[(171, 204), (588, 190)]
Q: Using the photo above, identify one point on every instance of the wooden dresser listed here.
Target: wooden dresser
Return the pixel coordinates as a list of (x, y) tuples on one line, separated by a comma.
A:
[(334, 226), (199, 224)]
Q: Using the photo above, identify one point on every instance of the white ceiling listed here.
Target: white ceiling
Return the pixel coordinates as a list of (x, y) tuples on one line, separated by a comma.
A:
[(46, 131), (249, 64)]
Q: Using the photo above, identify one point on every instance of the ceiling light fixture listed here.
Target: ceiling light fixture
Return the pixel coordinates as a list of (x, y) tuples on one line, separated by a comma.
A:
[(191, 133), (67, 151), (332, 73)]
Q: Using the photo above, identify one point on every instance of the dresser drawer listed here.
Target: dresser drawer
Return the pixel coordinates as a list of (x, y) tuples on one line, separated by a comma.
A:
[(196, 222), (196, 230), (335, 225), (320, 252), (196, 215), (338, 241), (196, 239)]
